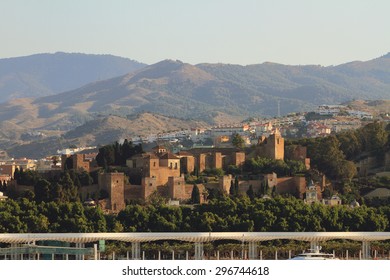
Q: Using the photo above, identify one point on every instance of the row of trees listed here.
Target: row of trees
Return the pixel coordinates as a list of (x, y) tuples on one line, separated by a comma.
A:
[(24, 216), (223, 214), (117, 154)]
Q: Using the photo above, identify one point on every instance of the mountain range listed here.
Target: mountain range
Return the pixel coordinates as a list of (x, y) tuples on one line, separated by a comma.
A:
[(181, 91), (47, 74)]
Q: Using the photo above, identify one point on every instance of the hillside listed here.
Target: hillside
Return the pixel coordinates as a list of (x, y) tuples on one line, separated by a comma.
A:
[(200, 91), (376, 107), (212, 93), (103, 130), (111, 128), (46, 74)]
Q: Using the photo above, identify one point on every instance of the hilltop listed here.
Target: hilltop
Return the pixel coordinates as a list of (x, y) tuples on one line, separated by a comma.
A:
[(46, 74)]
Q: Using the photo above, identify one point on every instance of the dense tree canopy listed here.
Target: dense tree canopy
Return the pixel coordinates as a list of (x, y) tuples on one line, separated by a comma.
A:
[(238, 141), (260, 165), (222, 214), (333, 155), (242, 214), (117, 154)]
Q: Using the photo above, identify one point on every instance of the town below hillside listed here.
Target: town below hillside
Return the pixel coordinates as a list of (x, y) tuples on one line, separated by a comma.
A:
[(151, 128), (333, 158)]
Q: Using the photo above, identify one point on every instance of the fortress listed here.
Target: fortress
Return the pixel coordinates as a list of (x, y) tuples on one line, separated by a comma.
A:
[(160, 171)]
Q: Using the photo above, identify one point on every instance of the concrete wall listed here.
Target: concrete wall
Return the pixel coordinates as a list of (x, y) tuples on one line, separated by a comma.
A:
[(149, 186), (225, 183), (176, 188), (133, 192)]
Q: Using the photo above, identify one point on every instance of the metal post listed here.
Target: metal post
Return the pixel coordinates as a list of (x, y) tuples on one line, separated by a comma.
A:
[(173, 255), (78, 256), (95, 251), (186, 255), (252, 250), (198, 251), (242, 247), (346, 255), (261, 254), (289, 254), (127, 255), (232, 255), (143, 255), (218, 255), (366, 248), (276, 254), (77, 245), (159, 255), (13, 252), (82, 245), (313, 245), (136, 250)]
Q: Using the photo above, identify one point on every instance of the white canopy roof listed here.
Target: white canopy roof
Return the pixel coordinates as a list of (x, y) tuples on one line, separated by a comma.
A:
[(192, 236)]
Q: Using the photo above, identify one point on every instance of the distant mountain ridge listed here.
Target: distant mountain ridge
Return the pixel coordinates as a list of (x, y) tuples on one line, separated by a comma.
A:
[(183, 90), (186, 91), (203, 92), (46, 74)]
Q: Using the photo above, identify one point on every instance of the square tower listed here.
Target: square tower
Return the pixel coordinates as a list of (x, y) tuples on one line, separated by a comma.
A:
[(114, 184)]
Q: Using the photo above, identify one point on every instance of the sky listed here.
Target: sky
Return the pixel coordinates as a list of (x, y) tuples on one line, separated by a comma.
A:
[(294, 32)]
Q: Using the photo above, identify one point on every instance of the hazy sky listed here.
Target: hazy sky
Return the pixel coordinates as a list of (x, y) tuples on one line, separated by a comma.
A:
[(243, 32)]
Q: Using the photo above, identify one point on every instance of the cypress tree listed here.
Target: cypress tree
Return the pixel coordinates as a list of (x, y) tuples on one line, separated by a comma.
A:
[(236, 185), (250, 193), (195, 195), (231, 190)]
